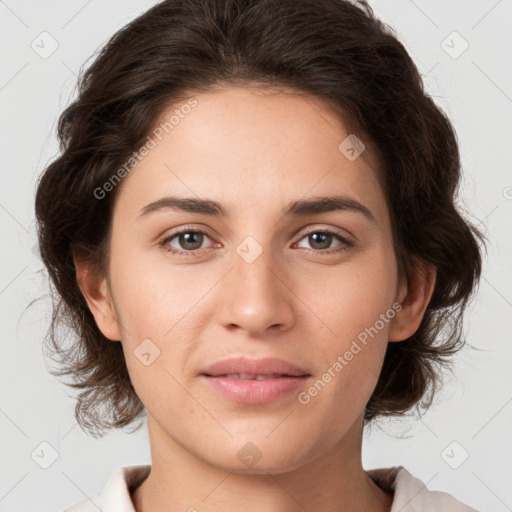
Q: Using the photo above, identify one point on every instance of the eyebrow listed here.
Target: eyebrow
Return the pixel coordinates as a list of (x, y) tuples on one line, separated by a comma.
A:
[(300, 208)]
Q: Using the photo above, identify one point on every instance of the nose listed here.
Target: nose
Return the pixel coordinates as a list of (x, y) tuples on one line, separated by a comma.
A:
[(257, 296)]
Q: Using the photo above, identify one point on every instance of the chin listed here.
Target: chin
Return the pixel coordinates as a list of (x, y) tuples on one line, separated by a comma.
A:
[(260, 457)]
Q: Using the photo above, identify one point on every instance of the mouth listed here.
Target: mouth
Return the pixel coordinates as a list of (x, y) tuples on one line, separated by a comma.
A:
[(255, 381), (255, 389), (253, 377)]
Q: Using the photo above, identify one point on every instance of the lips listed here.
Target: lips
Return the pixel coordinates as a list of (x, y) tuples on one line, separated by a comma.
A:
[(255, 381), (258, 369), (253, 376)]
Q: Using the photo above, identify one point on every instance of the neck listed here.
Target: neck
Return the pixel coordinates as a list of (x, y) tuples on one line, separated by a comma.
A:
[(332, 482)]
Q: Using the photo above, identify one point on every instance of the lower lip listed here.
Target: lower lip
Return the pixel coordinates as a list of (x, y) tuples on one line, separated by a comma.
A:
[(251, 391)]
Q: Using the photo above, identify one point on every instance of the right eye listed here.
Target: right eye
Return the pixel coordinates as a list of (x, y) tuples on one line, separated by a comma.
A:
[(189, 239)]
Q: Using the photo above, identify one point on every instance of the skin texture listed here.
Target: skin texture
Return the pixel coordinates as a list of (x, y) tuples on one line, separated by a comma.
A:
[(254, 152)]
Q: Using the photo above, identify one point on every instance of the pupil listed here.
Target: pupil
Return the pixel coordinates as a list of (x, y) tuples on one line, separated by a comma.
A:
[(188, 238), (326, 242)]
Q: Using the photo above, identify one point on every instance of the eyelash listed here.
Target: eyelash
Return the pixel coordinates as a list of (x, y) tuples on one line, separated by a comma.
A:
[(346, 244)]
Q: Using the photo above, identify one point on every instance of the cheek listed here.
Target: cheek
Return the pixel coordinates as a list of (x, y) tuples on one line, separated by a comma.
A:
[(158, 307), (350, 298), (355, 311), (152, 296)]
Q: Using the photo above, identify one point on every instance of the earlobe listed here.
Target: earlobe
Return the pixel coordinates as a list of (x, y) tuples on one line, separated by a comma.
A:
[(98, 298), (418, 293)]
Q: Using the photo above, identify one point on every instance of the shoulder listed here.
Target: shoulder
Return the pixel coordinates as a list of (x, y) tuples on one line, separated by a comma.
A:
[(116, 494), (412, 495)]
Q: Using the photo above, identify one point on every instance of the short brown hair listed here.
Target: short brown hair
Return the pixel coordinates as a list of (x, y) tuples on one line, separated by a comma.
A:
[(335, 50)]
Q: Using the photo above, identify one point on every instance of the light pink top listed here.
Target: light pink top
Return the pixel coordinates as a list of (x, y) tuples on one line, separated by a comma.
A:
[(410, 493)]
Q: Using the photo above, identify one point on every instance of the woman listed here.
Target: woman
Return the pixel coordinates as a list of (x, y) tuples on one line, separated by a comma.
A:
[(252, 230)]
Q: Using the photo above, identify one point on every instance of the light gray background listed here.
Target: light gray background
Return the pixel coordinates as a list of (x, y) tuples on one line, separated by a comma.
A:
[(475, 409)]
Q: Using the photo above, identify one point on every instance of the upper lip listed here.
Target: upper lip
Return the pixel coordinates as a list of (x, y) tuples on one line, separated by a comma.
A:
[(247, 366)]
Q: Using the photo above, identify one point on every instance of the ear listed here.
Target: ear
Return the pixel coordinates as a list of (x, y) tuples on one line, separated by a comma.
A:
[(414, 297), (98, 299)]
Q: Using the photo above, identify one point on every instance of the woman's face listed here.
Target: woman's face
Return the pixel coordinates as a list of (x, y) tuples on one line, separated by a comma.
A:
[(261, 283)]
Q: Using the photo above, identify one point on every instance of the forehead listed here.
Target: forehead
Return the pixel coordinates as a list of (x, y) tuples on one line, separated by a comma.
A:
[(250, 149)]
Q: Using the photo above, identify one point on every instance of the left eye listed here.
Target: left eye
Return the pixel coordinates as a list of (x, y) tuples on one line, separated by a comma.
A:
[(324, 239)]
